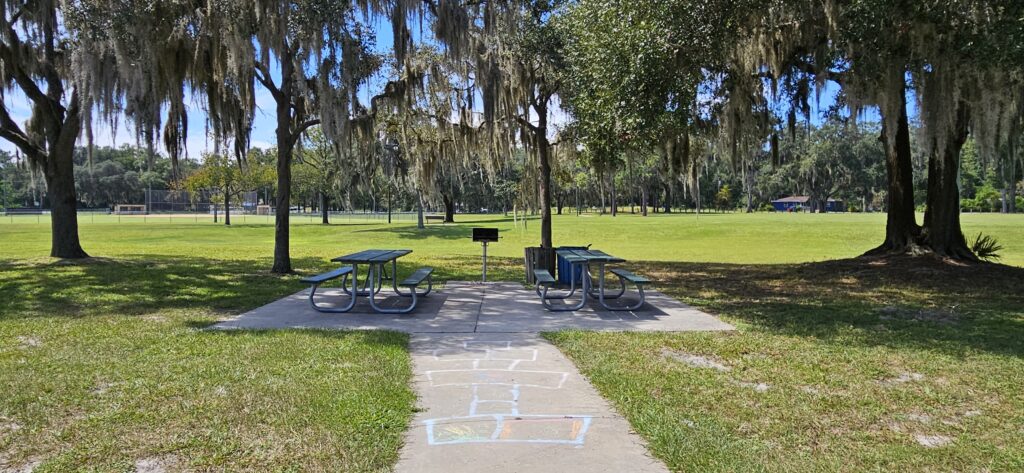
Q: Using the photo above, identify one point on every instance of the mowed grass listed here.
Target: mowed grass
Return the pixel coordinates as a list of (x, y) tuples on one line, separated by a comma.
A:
[(107, 363), (760, 238)]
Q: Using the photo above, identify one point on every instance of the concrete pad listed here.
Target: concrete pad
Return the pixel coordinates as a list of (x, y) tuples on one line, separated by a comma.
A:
[(467, 307), (516, 309), (511, 402), (461, 305)]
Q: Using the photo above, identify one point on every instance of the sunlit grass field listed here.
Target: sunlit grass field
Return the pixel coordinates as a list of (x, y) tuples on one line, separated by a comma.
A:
[(104, 365), (760, 238)]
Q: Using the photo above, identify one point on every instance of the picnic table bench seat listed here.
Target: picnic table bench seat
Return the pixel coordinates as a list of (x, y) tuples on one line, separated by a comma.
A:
[(543, 277), (417, 278), (628, 276), (324, 277)]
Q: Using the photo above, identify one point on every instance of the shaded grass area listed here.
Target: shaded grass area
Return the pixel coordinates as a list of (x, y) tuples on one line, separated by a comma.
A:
[(133, 285), (848, 365)]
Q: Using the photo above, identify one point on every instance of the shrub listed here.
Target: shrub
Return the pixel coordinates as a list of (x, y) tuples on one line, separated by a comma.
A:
[(986, 247), (988, 199)]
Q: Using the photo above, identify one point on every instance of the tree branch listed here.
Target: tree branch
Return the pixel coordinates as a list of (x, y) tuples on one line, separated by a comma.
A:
[(263, 76), (10, 131), (306, 125), (524, 122), (300, 129)]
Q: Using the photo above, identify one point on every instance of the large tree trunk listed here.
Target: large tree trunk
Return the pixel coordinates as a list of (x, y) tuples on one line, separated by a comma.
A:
[(901, 229), (449, 208), (1010, 183), (942, 230), (668, 197), (748, 186), (544, 152), (325, 215), (282, 255), (227, 208), (614, 197), (643, 201), (419, 210), (60, 183)]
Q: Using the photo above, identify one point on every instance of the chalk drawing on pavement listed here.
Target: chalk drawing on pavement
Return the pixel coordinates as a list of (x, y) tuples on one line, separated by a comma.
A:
[(497, 384)]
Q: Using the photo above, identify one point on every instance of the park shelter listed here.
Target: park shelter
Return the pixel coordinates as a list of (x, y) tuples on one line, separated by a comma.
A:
[(801, 203)]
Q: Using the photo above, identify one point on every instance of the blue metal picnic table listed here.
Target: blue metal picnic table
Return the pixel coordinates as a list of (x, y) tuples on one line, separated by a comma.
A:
[(375, 260), (588, 259)]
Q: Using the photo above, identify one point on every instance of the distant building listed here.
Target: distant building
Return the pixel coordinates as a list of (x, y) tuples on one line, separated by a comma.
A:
[(800, 203)]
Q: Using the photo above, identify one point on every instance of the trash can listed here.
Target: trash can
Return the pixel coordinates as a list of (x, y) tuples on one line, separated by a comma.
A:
[(565, 270)]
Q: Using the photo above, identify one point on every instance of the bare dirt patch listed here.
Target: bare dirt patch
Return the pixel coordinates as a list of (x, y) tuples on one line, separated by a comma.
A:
[(26, 341), (27, 467), (162, 464), (932, 441), (902, 378), (695, 361)]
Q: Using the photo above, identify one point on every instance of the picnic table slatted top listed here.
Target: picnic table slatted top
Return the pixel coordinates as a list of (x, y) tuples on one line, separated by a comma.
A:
[(580, 256), (371, 256)]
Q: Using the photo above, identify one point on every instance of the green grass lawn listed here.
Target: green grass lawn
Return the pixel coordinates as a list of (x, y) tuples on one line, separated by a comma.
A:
[(105, 364)]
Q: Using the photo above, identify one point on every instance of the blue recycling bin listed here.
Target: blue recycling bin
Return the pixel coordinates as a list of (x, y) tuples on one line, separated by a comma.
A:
[(565, 270)]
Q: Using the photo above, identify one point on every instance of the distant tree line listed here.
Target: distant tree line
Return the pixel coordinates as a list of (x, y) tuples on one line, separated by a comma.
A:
[(842, 161)]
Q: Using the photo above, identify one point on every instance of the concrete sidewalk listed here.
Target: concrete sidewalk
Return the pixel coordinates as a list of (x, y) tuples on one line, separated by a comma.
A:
[(512, 402)]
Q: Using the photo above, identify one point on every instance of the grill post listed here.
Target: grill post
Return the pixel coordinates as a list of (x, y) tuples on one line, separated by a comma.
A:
[(485, 262)]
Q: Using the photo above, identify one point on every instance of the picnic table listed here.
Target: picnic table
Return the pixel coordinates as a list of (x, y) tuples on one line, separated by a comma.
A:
[(375, 262), (589, 260)]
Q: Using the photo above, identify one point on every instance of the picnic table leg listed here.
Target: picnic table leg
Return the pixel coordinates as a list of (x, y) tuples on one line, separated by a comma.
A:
[(601, 297), (355, 287), (394, 283), (380, 279), (622, 290), (572, 288), (373, 302), (583, 296), (336, 310)]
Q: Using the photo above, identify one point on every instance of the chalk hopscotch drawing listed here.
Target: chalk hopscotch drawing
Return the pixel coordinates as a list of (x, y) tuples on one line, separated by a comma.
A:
[(497, 384)]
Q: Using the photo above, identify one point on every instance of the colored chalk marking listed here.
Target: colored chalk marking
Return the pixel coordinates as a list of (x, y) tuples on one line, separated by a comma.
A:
[(493, 413)]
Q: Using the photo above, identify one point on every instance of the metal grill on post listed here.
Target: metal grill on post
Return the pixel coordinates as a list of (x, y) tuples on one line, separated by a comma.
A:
[(485, 236)]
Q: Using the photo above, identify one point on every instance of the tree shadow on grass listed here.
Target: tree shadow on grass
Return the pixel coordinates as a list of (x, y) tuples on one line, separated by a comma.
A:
[(901, 302), (143, 284), (373, 337), (139, 284), (410, 232), (460, 230)]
